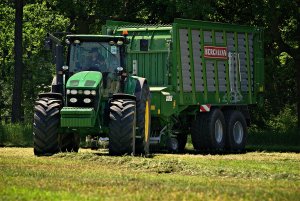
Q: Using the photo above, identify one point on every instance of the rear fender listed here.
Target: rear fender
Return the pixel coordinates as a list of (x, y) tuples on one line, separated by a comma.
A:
[(51, 95)]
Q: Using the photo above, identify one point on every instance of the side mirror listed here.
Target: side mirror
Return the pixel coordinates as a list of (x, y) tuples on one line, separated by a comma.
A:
[(65, 68), (120, 69)]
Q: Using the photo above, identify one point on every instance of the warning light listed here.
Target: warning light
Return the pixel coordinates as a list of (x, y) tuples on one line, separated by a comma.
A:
[(125, 33)]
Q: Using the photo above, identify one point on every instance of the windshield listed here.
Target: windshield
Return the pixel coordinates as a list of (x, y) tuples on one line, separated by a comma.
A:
[(94, 56)]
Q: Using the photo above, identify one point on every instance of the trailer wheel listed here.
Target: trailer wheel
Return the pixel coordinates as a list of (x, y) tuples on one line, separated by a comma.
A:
[(45, 126), (208, 131), (122, 127), (69, 142), (143, 121), (236, 131)]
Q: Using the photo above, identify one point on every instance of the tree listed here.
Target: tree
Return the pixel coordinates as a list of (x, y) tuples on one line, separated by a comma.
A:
[(17, 91), (38, 70)]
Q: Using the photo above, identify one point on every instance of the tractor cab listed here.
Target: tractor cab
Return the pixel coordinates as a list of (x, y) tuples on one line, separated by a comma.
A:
[(97, 53)]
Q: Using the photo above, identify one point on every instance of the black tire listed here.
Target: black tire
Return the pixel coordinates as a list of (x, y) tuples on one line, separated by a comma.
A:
[(69, 142), (208, 131), (122, 127), (45, 126), (143, 121), (182, 140), (236, 129)]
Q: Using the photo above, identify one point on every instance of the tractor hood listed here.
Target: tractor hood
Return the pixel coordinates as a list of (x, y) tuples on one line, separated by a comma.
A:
[(85, 80)]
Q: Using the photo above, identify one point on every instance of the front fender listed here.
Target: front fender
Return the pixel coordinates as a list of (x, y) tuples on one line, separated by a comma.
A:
[(134, 85)]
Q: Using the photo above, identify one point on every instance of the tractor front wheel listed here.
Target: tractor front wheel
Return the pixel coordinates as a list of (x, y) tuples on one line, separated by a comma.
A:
[(122, 127), (45, 126)]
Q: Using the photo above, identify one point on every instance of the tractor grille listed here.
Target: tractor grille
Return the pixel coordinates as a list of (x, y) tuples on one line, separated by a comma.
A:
[(80, 101)]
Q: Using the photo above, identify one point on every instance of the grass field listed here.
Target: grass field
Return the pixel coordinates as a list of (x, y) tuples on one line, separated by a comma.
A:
[(93, 175)]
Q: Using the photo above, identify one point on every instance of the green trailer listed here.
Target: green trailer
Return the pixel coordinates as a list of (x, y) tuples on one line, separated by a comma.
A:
[(197, 70), (167, 81)]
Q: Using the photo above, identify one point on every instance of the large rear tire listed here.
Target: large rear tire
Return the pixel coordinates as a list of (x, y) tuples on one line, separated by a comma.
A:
[(143, 121), (208, 131), (236, 127), (122, 127), (45, 126)]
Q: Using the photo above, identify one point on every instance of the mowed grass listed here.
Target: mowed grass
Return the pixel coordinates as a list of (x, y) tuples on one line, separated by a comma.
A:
[(93, 175)]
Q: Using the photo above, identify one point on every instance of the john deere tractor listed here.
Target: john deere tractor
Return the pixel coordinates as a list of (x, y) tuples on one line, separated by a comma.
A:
[(94, 96)]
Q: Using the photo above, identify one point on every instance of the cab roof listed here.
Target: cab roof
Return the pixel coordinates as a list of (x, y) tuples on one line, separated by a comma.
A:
[(85, 37)]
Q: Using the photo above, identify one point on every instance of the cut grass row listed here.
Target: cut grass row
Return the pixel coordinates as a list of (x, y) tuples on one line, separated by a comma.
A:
[(93, 175)]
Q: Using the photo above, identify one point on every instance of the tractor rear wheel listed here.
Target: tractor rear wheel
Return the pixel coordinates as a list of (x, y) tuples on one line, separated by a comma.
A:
[(208, 131), (122, 127), (143, 121), (45, 126)]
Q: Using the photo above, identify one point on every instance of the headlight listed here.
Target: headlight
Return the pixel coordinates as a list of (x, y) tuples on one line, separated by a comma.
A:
[(87, 92), (87, 100), (73, 100), (93, 92), (74, 91), (68, 91), (80, 92)]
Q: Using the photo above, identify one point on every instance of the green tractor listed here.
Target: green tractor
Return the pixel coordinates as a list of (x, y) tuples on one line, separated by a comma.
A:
[(92, 96)]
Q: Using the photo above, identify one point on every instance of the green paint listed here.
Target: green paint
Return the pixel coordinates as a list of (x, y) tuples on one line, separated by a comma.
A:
[(84, 80), (77, 117), (248, 69), (192, 66), (227, 69), (130, 85), (204, 68)]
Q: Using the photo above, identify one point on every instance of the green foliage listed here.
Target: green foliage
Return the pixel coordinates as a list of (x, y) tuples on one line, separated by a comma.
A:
[(271, 140), (285, 121), (15, 135), (38, 72)]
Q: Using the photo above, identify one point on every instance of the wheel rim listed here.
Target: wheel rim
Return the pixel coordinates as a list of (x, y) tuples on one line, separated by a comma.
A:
[(218, 131), (147, 120), (238, 132)]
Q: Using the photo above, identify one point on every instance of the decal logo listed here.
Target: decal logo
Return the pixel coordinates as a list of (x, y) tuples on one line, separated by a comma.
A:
[(169, 98), (214, 52)]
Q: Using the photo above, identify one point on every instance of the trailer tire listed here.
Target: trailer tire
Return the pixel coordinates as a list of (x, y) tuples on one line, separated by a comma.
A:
[(236, 127), (143, 121), (69, 142), (122, 127), (46, 125), (208, 131)]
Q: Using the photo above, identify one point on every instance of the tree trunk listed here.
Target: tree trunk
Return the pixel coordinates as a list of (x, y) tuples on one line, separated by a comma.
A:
[(297, 65), (17, 91)]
